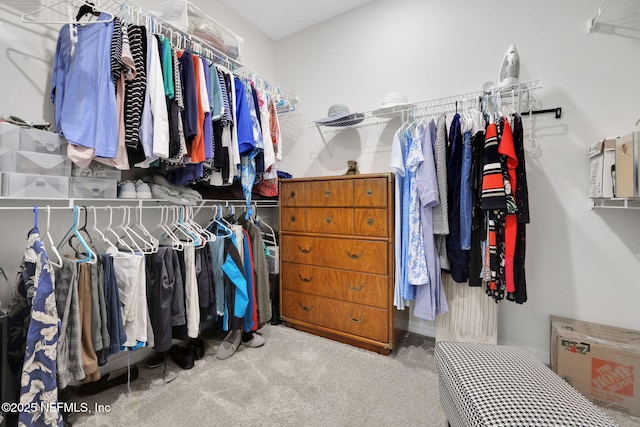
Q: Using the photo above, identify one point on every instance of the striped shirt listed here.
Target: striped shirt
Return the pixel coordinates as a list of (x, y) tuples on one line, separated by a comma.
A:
[(493, 194)]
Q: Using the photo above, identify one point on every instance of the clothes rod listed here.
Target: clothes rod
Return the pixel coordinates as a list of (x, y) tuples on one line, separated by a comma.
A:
[(557, 111), (203, 204)]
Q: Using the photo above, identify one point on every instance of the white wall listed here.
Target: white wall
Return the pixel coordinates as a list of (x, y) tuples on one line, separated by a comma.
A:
[(580, 263)]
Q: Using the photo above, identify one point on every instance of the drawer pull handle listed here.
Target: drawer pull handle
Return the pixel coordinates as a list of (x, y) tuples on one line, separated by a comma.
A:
[(304, 307), (354, 256), (305, 251), (293, 194), (370, 221), (293, 218), (329, 220), (304, 279), (370, 192), (353, 288), (327, 193), (355, 320)]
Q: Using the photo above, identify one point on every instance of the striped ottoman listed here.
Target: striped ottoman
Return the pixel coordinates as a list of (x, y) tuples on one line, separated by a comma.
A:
[(492, 385)]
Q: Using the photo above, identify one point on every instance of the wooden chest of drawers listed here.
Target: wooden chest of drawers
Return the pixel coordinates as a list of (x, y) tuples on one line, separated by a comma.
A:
[(336, 255)]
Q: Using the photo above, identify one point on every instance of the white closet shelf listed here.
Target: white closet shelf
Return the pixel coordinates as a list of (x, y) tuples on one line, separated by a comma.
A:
[(522, 93), (59, 12), (28, 203), (621, 17), (616, 203)]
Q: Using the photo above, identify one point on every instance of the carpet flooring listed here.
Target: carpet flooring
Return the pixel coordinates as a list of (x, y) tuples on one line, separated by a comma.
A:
[(295, 379)]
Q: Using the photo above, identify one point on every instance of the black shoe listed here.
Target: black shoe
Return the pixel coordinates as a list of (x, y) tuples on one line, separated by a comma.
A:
[(156, 360), (182, 357), (197, 347)]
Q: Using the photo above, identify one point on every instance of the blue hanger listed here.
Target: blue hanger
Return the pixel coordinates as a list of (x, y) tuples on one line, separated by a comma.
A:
[(73, 231)]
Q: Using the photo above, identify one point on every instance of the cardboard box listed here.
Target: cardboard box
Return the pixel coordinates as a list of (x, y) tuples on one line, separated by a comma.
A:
[(600, 361), (627, 152)]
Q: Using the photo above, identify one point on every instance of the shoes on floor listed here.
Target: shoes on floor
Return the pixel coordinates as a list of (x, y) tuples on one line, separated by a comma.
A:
[(156, 360), (183, 357), (143, 191), (255, 341), (229, 344), (197, 348), (127, 190)]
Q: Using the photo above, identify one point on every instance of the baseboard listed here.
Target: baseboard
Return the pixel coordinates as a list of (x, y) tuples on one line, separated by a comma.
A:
[(422, 328)]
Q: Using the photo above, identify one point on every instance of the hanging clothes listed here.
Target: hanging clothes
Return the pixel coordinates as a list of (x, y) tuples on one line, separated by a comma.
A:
[(165, 295), (458, 257), (522, 201), (33, 328), (396, 164), (134, 94), (69, 359), (431, 299), (74, 76)]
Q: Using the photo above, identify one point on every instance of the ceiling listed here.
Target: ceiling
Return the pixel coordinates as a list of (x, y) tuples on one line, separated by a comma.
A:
[(280, 18)]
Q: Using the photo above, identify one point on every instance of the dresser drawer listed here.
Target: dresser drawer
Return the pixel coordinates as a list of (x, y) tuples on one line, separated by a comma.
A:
[(345, 254), (360, 320), (291, 193), (292, 219), (361, 288), (329, 193), (371, 222), (329, 220), (370, 192)]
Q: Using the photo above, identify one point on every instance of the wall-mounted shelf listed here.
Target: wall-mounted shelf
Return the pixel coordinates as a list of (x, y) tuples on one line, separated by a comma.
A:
[(620, 17), (520, 95), (616, 203)]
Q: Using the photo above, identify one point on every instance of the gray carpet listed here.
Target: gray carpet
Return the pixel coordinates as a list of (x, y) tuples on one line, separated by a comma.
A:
[(295, 379)]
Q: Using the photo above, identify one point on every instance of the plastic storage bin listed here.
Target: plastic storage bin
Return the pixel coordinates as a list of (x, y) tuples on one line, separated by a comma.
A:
[(34, 163), (90, 188), (35, 186), (96, 170), (41, 141), (9, 136)]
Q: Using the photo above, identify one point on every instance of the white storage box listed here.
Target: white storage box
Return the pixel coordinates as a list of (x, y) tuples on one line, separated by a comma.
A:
[(602, 155), (96, 170), (34, 163), (35, 186), (9, 136), (42, 141), (94, 188)]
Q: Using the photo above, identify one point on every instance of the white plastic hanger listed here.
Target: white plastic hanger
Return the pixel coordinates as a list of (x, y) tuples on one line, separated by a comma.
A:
[(205, 234), (104, 238), (166, 229), (139, 223), (127, 234), (178, 225), (58, 261), (119, 241)]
